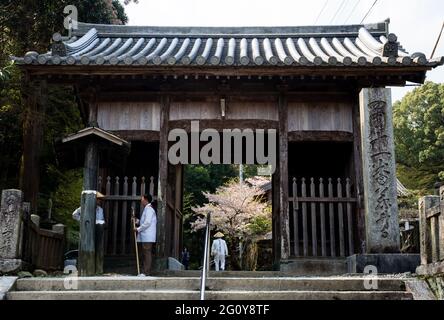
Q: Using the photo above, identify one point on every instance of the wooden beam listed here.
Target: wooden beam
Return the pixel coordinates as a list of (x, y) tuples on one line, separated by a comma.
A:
[(225, 124), (138, 135), (223, 71), (332, 136)]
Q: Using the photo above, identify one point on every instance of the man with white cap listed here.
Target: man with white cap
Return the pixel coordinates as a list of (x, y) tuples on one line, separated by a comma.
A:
[(219, 250)]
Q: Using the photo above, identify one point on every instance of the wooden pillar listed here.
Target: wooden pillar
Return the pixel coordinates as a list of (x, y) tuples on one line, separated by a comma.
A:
[(284, 221), (100, 247), (87, 257), (178, 219), (358, 182), (162, 181), (276, 219), (87, 250), (379, 172), (33, 129)]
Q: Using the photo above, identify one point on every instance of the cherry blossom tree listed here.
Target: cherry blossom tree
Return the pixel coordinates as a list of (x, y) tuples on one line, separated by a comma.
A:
[(234, 209)]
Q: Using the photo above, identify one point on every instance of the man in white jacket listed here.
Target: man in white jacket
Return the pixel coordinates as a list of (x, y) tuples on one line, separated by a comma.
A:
[(146, 232), (219, 250)]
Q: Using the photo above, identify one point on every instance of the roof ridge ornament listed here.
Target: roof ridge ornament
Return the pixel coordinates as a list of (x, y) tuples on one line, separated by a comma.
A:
[(391, 47), (58, 47)]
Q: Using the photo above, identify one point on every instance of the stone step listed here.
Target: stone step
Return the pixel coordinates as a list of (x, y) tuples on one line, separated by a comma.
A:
[(210, 295), (240, 274), (212, 284)]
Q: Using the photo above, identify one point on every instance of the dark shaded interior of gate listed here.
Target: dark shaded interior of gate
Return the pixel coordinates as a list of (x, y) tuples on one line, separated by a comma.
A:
[(320, 174), (135, 174)]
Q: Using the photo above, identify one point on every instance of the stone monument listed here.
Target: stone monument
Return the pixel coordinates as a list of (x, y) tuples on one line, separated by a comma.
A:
[(379, 175), (11, 231)]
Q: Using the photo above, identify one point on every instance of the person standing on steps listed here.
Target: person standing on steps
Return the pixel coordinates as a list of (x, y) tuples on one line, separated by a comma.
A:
[(219, 251), (146, 233), (185, 258)]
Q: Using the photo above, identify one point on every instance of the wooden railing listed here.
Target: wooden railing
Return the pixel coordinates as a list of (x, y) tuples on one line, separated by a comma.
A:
[(431, 228), (322, 217), (43, 249), (119, 199)]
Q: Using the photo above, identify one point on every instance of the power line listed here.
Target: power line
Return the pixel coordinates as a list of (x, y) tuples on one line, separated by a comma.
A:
[(369, 10), (337, 11), (353, 10), (320, 12), (437, 41)]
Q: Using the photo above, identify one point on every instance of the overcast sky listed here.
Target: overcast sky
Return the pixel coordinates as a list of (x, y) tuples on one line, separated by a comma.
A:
[(415, 22)]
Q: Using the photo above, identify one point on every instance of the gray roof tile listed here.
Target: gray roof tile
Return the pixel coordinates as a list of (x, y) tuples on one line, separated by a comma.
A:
[(360, 45)]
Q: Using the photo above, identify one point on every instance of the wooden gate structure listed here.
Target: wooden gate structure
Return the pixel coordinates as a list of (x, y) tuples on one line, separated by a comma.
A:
[(323, 218), (311, 84)]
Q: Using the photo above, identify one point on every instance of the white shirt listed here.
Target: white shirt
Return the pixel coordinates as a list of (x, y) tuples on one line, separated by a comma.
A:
[(100, 219), (147, 229), (219, 247)]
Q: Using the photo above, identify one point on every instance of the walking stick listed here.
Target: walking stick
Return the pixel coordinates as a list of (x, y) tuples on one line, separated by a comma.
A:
[(133, 218)]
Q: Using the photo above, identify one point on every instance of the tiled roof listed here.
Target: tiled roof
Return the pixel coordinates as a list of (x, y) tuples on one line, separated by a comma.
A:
[(323, 46)]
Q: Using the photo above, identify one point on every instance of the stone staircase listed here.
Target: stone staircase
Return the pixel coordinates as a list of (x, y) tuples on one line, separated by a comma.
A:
[(218, 288)]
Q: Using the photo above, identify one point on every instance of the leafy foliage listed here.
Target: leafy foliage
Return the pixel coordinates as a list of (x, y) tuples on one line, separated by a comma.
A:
[(419, 136), (24, 26)]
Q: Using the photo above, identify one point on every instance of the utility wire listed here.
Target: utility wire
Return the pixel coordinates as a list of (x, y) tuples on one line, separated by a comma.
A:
[(337, 11), (353, 10), (369, 10), (437, 41), (320, 12)]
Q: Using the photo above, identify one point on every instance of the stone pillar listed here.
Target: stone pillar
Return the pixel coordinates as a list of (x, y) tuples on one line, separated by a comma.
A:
[(35, 219), (425, 203), (59, 228), (11, 230), (379, 175)]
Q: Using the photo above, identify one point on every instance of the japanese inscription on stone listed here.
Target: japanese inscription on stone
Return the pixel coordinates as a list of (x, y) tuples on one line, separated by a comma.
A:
[(382, 228), (10, 222), (380, 156)]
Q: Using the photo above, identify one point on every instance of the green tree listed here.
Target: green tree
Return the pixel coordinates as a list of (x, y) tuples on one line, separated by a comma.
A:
[(24, 26), (419, 136)]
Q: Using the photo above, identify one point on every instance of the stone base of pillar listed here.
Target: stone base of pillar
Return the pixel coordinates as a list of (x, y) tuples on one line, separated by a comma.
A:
[(431, 269), (10, 266), (160, 264), (384, 263)]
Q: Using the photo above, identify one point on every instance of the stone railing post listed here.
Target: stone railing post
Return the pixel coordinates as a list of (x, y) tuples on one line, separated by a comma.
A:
[(441, 224), (425, 246)]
